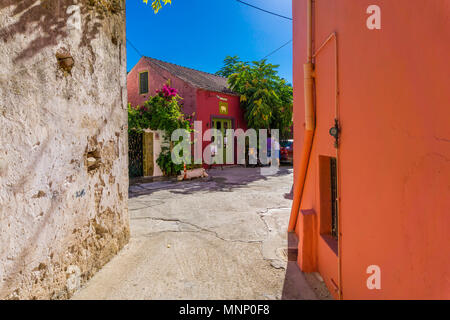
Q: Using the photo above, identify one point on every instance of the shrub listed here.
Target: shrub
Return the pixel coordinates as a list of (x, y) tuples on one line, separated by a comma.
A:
[(161, 112)]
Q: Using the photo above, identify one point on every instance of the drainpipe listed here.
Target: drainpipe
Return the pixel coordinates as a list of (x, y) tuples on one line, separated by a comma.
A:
[(310, 123), (310, 127)]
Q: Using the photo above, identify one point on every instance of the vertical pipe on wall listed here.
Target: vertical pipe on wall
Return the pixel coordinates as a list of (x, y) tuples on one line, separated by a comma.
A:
[(310, 124)]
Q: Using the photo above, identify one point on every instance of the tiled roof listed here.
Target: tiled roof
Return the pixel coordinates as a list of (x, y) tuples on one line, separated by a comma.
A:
[(198, 79)]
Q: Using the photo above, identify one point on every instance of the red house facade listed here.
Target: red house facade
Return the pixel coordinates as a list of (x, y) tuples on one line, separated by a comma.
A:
[(205, 96)]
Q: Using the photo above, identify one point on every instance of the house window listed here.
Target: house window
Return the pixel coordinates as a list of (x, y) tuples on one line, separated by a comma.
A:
[(143, 82), (334, 201), (329, 213)]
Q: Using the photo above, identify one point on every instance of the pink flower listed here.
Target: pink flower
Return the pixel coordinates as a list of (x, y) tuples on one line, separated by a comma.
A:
[(168, 91)]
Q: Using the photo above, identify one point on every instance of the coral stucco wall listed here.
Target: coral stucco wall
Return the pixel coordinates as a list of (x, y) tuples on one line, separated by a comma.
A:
[(157, 77), (394, 155)]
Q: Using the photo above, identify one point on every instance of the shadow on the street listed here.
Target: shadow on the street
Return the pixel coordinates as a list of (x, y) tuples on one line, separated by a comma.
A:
[(219, 180), (297, 284)]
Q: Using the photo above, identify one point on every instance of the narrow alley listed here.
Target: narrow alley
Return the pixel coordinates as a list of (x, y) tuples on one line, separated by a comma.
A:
[(222, 237)]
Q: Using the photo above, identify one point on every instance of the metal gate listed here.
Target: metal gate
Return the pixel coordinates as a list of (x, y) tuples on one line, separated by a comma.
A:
[(135, 154)]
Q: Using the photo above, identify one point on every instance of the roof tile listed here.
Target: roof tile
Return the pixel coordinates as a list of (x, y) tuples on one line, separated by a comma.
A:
[(198, 79)]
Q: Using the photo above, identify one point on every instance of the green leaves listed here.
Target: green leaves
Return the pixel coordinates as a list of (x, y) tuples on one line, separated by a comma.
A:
[(138, 120), (165, 163), (156, 4), (231, 65), (161, 112), (166, 114), (266, 98)]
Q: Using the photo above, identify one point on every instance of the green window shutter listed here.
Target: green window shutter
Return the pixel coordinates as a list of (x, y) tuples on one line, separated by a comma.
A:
[(143, 82)]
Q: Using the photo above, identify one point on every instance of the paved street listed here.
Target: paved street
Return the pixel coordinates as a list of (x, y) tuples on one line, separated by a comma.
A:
[(222, 237)]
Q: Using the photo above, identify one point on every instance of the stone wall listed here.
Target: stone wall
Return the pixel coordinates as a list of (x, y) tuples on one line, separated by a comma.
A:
[(63, 144)]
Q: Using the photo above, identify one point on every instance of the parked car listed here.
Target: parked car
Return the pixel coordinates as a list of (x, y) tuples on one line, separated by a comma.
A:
[(287, 151)]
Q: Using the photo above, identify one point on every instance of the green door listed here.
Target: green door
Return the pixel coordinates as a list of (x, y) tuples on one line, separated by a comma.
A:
[(222, 125)]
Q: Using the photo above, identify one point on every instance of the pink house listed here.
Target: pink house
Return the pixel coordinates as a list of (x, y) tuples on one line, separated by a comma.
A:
[(206, 96)]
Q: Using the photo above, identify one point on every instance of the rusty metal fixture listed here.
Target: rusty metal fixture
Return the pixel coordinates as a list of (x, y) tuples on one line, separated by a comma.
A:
[(335, 132)]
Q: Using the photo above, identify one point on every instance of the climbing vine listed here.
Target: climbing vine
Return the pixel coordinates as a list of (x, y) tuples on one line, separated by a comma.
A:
[(161, 112)]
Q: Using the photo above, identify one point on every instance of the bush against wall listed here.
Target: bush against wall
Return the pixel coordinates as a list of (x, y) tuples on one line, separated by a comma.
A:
[(161, 112)]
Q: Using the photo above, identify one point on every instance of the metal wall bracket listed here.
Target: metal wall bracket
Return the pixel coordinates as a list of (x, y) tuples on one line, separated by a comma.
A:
[(335, 133)]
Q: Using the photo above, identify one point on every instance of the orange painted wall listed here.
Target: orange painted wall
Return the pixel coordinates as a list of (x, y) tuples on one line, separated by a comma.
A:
[(395, 144)]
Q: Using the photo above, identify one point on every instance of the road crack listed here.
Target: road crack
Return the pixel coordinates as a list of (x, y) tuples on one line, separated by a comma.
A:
[(199, 229)]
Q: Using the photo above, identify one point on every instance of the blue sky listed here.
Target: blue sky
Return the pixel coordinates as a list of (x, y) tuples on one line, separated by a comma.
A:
[(200, 33)]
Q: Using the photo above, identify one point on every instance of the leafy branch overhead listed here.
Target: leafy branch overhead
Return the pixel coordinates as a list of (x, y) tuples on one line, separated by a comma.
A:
[(266, 98), (156, 4)]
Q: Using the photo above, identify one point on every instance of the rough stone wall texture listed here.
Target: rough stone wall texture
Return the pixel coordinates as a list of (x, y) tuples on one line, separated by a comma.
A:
[(63, 144)]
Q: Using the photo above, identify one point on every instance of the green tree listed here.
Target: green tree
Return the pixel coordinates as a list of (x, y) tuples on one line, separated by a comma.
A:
[(231, 65), (265, 97)]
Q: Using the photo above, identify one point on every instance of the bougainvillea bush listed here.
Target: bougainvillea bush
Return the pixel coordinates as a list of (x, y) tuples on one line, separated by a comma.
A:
[(161, 112)]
